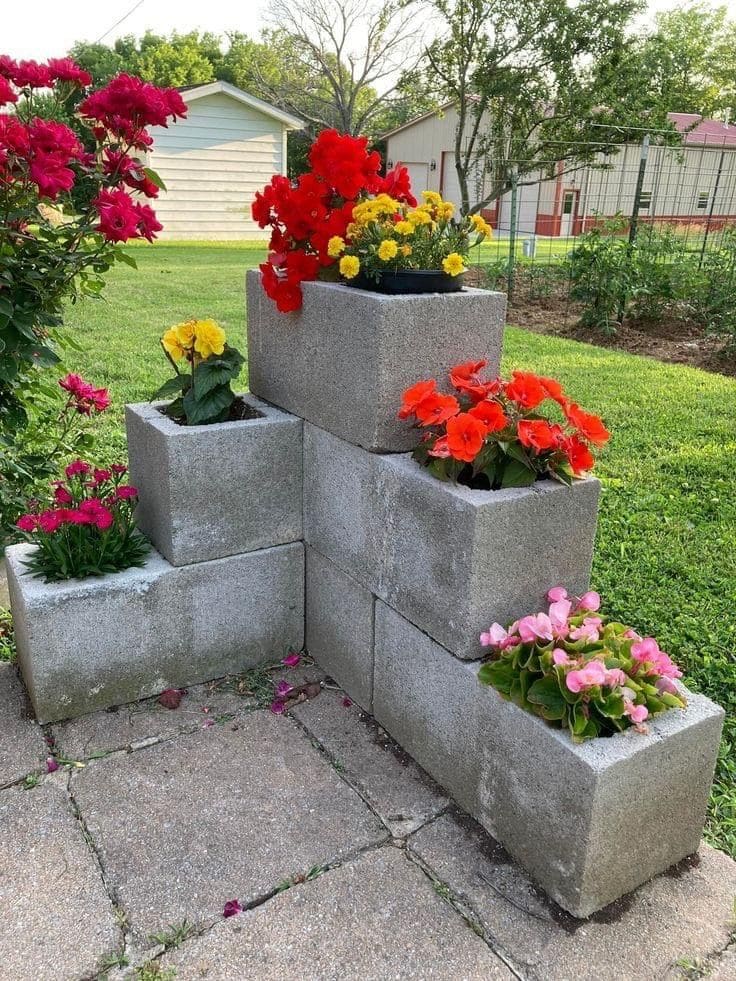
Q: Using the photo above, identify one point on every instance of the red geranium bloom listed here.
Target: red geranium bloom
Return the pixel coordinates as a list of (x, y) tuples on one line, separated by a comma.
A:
[(436, 409), (589, 426), (491, 414), (539, 434), (465, 436), (579, 456), (413, 396), (397, 184), (343, 162), (525, 389)]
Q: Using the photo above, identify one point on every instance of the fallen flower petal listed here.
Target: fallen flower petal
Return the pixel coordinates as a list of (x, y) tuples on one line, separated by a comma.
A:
[(283, 687), (171, 698), (277, 706), (291, 660), (51, 765), (347, 702), (232, 908)]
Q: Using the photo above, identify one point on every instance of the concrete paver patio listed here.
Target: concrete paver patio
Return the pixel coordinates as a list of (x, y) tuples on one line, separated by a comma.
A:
[(347, 860)]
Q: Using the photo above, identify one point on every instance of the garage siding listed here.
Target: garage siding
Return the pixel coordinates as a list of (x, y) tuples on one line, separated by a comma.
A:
[(212, 163)]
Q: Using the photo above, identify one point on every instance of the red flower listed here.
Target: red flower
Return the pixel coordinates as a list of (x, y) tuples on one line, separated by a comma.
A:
[(436, 409), (538, 434), (148, 225), (398, 184), (77, 469), (300, 266), (67, 70), (126, 491), (440, 449), (465, 436), (466, 378), (344, 163), (588, 425), (525, 389), (51, 520), (62, 495), (412, 397), (27, 522), (579, 456), (491, 414), (126, 105), (8, 67), (7, 93), (83, 396), (554, 390), (32, 75), (119, 216)]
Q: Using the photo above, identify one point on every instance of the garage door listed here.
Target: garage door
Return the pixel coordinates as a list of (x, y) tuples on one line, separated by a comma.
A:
[(419, 175)]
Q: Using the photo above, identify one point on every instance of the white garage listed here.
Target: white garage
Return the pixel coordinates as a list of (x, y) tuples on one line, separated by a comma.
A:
[(213, 162)]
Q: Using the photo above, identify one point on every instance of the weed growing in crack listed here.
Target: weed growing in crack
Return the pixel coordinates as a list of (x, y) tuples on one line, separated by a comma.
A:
[(31, 781), (175, 935), (692, 970), (151, 971), (114, 960)]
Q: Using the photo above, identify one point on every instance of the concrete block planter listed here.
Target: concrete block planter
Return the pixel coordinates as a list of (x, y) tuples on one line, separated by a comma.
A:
[(450, 559), (343, 360), (590, 822), (211, 491), (89, 644)]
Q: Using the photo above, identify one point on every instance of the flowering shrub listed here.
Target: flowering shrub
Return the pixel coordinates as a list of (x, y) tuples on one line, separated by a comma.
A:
[(307, 214), (87, 529), (580, 671), (387, 235), (50, 250), (203, 393), (490, 435)]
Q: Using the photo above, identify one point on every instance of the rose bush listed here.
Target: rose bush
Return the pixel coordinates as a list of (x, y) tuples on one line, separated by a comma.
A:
[(580, 671), (203, 393), (490, 435), (305, 215), (87, 527)]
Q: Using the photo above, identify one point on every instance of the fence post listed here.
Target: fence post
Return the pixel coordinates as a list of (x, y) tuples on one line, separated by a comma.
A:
[(712, 207), (635, 214), (511, 268)]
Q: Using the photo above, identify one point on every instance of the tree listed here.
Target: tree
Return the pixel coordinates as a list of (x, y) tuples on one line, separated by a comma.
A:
[(181, 59), (533, 84), (352, 54)]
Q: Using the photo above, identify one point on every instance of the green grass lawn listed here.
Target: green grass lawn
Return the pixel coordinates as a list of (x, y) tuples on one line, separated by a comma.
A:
[(666, 550)]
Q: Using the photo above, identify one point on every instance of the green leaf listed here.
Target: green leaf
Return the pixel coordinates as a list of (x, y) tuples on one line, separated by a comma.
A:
[(154, 178), (127, 259), (219, 370), (546, 693), (499, 674), (171, 386), (208, 408), (516, 474)]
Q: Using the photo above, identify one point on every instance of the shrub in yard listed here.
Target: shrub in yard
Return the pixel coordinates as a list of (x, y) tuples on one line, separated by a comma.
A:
[(203, 393), (489, 434), (580, 671), (87, 528)]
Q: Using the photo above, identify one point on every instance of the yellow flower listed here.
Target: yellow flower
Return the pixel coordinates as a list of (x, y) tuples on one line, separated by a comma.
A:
[(453, 264), (171, 344), (446, 210), (335, 246), (432, 198), (349, 266), (419, 217), (404, 227), (387, 249), (209, 338), (352, 229), (481, 226), (406, 250)]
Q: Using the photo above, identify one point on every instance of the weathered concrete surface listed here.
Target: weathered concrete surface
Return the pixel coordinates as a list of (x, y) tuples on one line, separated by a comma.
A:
[(683, 915), (92, 643), (228, 812), (724, 969), (22, 747), (344, 360), (374, 918), (402, 794), (57, 921), (339, 626), (4, 592), (448, 558), (558, 807), (211, 491)]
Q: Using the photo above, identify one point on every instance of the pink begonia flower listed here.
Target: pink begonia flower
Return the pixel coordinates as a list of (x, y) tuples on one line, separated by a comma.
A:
[(615, 676), (637, 713), (631, 634), (232, 908), (588, 630), (283, 688), (496, 636), (590, 601), (647, 652), (665, 684), (594, 673), (561, 657), (559, 614), (534, 628), (556, 593), (291, 660)]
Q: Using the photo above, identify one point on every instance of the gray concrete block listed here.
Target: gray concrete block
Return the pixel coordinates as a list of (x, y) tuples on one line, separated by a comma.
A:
[(92, 643), (450, 559), (211, 491), (589, 822), (344, 359), (339, 626)]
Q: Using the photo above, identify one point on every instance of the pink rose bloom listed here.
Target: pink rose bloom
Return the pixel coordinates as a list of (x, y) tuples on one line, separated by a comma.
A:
[(588, 629), (534, 628), (594, 673), (556, 593), (590, 601)]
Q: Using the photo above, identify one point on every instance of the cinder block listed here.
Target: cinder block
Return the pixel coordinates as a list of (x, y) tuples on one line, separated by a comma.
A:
[(87, 644), (207, 492), (590, 821), (450, 559), (339, 627), (344, 359)]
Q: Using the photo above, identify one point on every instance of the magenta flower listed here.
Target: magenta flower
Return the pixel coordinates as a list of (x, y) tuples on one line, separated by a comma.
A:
[(27, 522), (126, 491), (51, 765), (232, 908), (347, 702), (291, 660), (283, 688), (277, 706), (76, 468)]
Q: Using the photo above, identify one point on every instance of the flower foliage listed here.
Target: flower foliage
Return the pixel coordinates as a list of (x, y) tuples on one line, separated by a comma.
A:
[(203, 393), (49, 248), (87, 528), (580, 671), (490, 435), (387, 235), (305, 215)]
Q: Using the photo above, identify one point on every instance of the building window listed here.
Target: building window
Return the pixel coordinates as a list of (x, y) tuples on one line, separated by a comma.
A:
[(703, 197), (645, 200)]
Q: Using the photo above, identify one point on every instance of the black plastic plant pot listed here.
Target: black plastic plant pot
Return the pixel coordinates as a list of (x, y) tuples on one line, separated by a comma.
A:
[(411, 281)]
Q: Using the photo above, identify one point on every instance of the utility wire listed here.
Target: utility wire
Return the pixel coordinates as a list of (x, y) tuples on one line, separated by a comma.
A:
[(119, 22)]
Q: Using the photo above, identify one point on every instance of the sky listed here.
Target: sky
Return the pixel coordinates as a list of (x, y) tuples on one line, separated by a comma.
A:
[(50, 27)]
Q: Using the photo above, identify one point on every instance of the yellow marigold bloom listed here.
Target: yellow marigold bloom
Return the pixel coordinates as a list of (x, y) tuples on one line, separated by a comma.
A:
[(335, 246), (349, 266), (171, 344), (418, 217), (406, 250), (352, 229), (404, 227), (387, 249), (453, 264), (481, 226), (432, 198), (209, 338), (446, 210)]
